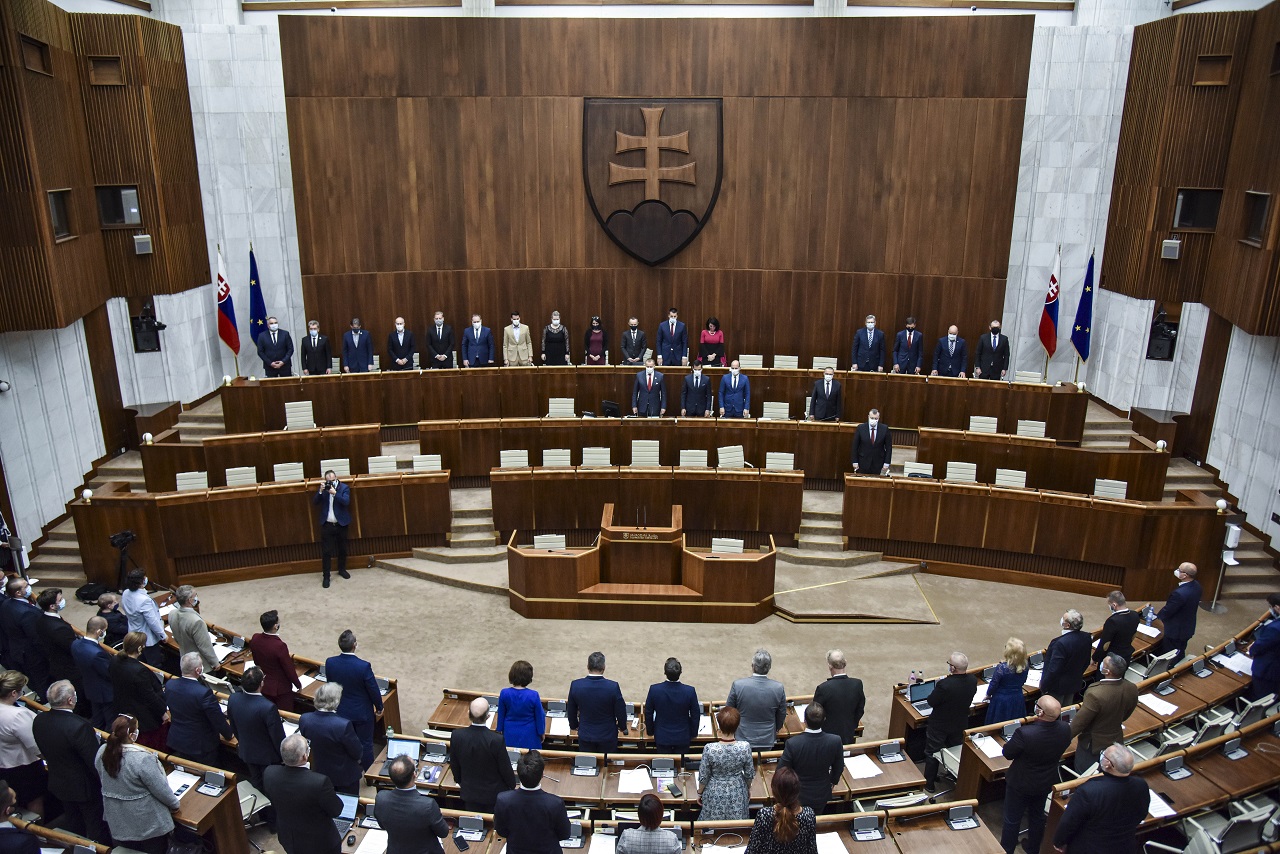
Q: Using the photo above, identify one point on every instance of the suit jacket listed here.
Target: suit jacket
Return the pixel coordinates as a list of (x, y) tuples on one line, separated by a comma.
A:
[(1266, 653), (357, 358), (137, 692), (306, 805), (196, 720), (439, 345), (396, 350), (1105, 707), (871, 457), (649, 401), (533, 821), (280, 677), (361, 700), (596, 709), (822, 407), (672, 713), (413, 823), (341, 504), (634, 346), (68, 744), (1065, 661), (844, 701), (478, 759), (15, 841), (335, 748), (1036, 749), (908, 358), (672, 349), (280, 351), (1103, 815), (695, 396), (117, 626), (255, 720), (1117, 635), (818, 760), (94, 664), (477, 352), (735, 401), (191, 634), (19, 620), (992, 360), (951, 699), (317, 359), (1179, 613), (56, 636), (868, 355), (517, 352), (762, 703), (953, 363)]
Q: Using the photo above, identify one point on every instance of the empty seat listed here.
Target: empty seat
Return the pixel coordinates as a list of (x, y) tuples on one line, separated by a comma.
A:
[(691, 458), (341, 466), (730, 457), (1016, 478), (556, 458), (775, 410), (748, 360), (789, 362), (1027, 377), (644, 452), (778, 461), (383, 464), (596, 457), (554, 542), (287, 472), (726, 546), (242, 476), (962, 472), (1104, 488), (1033, 429), (1155, 667), (561, 407), (515, 459), (982, 424), (914, 469), (299, 415), (821, 363), (188, 480), (427, 462)]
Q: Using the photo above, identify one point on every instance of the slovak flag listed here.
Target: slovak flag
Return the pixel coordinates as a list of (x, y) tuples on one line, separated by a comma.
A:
[(1049, 317), (227, 329)]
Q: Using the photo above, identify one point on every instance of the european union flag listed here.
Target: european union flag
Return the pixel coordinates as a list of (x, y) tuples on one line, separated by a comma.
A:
[(1080, 330), (257, 308)]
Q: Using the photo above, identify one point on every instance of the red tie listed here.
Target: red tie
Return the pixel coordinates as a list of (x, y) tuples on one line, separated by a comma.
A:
[(650, 382), (873, 435), (908, 339)]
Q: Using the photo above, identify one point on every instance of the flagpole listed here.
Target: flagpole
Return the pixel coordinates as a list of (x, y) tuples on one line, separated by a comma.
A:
[(1077, 379)]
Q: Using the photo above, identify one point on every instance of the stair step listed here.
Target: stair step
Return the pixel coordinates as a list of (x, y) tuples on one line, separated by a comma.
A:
[(814, 515), (60, 547), (820, 543), (462, 541), (462, 555), (473, 513), (1255, 590), (204, 417), (823, 528), (489, 577), (832, 559), (58, 535), (476, 526)]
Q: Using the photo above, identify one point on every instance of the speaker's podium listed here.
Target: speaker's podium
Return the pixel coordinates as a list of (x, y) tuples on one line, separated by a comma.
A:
[(649, 572)]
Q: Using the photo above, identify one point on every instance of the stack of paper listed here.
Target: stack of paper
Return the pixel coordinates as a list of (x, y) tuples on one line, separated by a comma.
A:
[(374, 842), (800, 707), (633, 781), (980, 696), (165, 610), (222, 650), (1238, 661), (304, 681), (1158, 808), (829, 843), (559, 726), (247, 663), (1155, 704), (177, 779), (290, 728), (603, 843), (1149, 631), (1033, 678), (988, 745), (861, 767), (704, 725)]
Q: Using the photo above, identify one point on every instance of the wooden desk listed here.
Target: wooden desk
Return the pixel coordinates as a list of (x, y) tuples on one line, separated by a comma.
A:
[(929, 833), (894, 776), (217, 819), (613, 773), (1241, 777)]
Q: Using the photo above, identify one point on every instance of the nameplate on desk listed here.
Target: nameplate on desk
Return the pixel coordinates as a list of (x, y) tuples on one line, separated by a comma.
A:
[(628, 535)]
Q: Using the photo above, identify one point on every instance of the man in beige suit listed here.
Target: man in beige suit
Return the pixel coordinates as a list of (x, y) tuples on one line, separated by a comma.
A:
[(517, 343), (1106, 705), (190, 632)]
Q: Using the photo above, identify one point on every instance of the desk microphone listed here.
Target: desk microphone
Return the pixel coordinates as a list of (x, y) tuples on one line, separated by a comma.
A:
[(646, 517)]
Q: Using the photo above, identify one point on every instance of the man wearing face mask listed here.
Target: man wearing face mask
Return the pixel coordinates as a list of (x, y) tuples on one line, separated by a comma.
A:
[(908, 349), (477, 345), (1118, 630), (825, 403), (1179, 612), (695, 394), (56, 636), (357, 349), (868, 348), (1103, 814), (317, 356), (951, 355), (1035, 750), (517, 344), (1106, 705), (333, 501), (634, 343), (735, 393), (20, 617), (190, 631), (439, 343), (400, 348), (872, 446), (94, 664), (275, 349), (1265, 652), (649, 394), (197, 721), (991, 362), (1066, 659), (673, 341)]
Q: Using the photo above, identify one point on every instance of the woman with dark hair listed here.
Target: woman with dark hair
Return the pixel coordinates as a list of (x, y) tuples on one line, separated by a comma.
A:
[(726, 772), (521, 718), (711, 343), (136, 799), (785, 827), (649, 838), (138, 693), (595, 344), (20, 763), (555, 342)]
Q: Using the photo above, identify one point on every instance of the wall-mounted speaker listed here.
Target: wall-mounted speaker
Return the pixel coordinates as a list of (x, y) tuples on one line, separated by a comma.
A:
[(142, 244), (1171, 250)]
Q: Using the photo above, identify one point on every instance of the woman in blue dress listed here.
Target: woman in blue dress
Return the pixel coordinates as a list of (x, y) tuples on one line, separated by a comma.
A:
[(521, 718), (1004, 692)]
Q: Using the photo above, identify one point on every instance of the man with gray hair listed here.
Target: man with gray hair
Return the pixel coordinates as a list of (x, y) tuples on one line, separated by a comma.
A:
[(335, 748), (761, 702), (951, 700), (196, 720), (1106, 705), (596, 709), (843, 698), (304, 800), (1118, 630), (190, 631), (1104, 812), (1066, 659), (68, 744)]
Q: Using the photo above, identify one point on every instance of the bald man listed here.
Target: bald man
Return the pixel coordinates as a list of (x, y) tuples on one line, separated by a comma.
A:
[(951, 700), (1035, 750), (1103, 814), (1179, 612), (479, 761)]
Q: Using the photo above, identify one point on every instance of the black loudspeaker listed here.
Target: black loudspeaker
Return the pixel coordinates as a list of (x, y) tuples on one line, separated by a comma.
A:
[(1163, 337), (146, 333)]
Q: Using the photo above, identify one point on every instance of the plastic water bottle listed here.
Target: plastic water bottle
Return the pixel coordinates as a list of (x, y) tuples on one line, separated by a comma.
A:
[(391, 732)]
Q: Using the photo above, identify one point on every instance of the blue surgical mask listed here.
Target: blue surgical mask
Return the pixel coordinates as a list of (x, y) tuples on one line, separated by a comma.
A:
[(62, 604)]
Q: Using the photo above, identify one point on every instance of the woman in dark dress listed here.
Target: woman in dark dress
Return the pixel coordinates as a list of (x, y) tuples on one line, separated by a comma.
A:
[(785, 827), (1004, 692), (595, 344), (555, 342), (138, 692), (711, 343)]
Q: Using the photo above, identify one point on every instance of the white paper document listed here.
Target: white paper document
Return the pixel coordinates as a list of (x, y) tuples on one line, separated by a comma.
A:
[(559, 726), (704, 725), (1155, 704), (829, 843), (374, 842), (305, 681), (1159, 809), (165, 610), (1149, 631), (633, 781), (222, 650), (989, 746), (290, 728), (980, 696), (603, 843), (1033, 677), (862, 767), (177, 779), (800, 707), (1239, 662)]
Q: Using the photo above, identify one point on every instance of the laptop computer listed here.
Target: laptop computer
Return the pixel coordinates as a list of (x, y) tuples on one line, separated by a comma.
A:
[(398, 747), (918, 695), (346, 818)]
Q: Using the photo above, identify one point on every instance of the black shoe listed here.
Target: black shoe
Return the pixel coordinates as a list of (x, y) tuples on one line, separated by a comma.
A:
[(325, 583), (344, 573), (931, 787)]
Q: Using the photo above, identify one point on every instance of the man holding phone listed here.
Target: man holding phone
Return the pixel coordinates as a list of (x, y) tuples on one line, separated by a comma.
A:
[(333, 501)]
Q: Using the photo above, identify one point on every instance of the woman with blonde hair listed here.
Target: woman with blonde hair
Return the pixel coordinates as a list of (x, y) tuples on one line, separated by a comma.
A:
[(20, 763), (137, 801), (1005, 701)]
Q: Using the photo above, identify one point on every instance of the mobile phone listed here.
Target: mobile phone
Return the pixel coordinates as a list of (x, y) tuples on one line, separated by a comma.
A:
[(462, 844), (674, 790)]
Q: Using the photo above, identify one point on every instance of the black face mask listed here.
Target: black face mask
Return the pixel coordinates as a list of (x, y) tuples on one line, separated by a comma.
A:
[(995, 330), (911, 329), (634, 328)]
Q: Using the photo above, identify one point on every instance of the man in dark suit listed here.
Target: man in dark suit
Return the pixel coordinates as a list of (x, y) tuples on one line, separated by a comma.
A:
[(196, 720), (868, 348), (400, 348), (439, 343), (673, 341), (275, 349), (413, 821), (825, 403), (68, 744), (1103, 814), (695, 394), (357, 349), (1066, 659), (842, 698), (304, 800), (1100, 719), (94, 664), (817, 757), (1035, 750), (672, 711), (1118, 630), (735, 393), (21, 618), (315, 352), (255, 720), (951, 356), (634, 343), (336, 752), (649, 394), (951, 700), (477, 345), (1265, 652), (531, 820), (333, 502), (596, 709), (991, 361), (361, 700), (478, 759), (1179, 612), (872, 446), (908, 349), (56, 637)]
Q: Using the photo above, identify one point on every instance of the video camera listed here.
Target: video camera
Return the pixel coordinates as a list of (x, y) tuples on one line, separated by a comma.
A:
[(123, 539)]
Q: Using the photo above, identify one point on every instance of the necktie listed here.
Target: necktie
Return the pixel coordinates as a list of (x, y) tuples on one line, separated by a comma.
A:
[(908, 338), (673, 329), (994, 339), (651, 382), (873, 433), (273, 338), (735, 382), (439, 331), (828, 389), (868, 337), (951, 348)]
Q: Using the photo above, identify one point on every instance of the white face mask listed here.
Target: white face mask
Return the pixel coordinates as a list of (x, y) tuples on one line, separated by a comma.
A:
[(951, 337), (873, 421), (102, 636), (62, 604), (399, 327), (697, 371), (871, 326), (273, 326), (475, 324), (829, 377), (315, 333), (555, 321), (515, 323), (734, 371), (1175, 575)]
